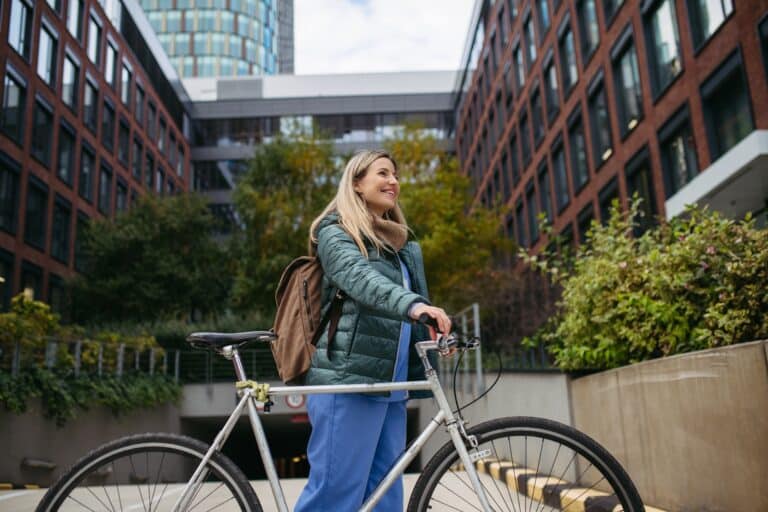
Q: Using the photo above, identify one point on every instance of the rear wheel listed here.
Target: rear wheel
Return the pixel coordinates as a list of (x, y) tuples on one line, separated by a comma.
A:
[(149, 472), (527, 464)]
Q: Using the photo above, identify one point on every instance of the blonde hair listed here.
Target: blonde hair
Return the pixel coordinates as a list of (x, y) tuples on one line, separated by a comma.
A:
[(354, 215)]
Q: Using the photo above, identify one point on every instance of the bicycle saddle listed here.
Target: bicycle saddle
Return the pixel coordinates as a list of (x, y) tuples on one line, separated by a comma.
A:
[(218, 340)]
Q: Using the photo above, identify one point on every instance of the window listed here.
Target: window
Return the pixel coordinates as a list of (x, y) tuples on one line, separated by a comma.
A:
[(123, 142), (87, 170), (151, 118), (149, 169), (70, 82), (678, 152), (537, 115), (706, 16), (600, 122), (519, 67), (506, 189), (159, 179), (578, 151), (530, 41), (551, 89), (640, 183), (727, 110), (509, 85), (607, 195), (108, 126), (46, 55), (125, 87), (662, 45), (525, 139), (138, 109), (121, 196), (32, 279), (764, 42), (567, 51), (81, 226), (90, 107), (110, 66), (502, 24), (9, 194), (545, 190), (522, 239), (533, 212), (6, 272), (629, 97), (544, 20), (586, 16), (105, 190), (562, 195), (65, 169), (62, 218), (75, 18), (161, 144), (37, 207), (136, 160), (14, 106), (57, 295), (94, 39), (584, 222), (42, 135), (20, 28)]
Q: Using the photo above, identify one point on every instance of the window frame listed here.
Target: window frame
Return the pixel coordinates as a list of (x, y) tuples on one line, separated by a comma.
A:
[(576, 118), (595, 88), (564, 30), (60, 202), (624, 44), (41, 147), (676, 123), (33, 182), (647, 10), (634, 166), (22, 118), (13, 168), (65, 126)]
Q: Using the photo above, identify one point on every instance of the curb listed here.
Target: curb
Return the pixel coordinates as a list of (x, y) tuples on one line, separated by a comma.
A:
[(547, 489), (5, 486)]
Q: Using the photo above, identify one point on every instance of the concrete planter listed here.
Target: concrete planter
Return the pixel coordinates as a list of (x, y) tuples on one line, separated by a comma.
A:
[(691, 429)]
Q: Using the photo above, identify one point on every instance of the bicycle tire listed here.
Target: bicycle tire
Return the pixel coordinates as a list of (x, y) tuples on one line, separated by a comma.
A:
[(99, 480), (538, 483)]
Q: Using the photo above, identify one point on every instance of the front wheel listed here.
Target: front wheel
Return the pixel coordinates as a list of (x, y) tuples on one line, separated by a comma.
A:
[(527, 464), (148, 472)]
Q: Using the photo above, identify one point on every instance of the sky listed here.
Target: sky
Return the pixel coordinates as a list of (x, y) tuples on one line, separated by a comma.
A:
[(361, 36)]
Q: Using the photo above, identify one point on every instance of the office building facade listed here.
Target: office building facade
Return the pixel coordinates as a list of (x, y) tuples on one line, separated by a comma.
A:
[(566, 105), (92, 118)]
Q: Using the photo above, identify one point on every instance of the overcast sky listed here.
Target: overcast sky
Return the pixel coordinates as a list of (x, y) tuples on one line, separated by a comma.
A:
[(350, 36)]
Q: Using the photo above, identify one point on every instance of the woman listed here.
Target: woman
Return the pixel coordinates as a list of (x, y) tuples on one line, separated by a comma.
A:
[(361, 240)]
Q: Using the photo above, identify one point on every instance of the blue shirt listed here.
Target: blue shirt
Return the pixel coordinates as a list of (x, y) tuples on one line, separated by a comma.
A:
[(403, 346)]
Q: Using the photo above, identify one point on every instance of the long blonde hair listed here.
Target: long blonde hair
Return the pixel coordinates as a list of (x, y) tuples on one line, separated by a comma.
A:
[(354, 215)]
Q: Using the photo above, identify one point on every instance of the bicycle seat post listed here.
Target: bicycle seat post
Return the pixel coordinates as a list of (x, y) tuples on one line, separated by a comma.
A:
[(230, 352)]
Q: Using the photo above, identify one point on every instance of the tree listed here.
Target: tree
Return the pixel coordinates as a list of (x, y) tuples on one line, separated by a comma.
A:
[(156, 261)]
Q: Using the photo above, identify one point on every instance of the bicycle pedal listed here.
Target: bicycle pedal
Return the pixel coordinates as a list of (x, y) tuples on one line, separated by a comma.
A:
[(476, 455)]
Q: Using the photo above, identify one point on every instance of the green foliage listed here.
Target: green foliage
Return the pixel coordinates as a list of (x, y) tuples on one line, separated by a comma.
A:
[(695, 282), (156, 261)]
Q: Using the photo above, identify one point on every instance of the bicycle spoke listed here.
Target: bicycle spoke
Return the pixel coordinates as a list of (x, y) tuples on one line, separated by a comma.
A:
[(80, 503), (536, 472), (117, 487), (457, 494), (157, 477), (549, 474), (205, 497), (97, 498), (111, 505), (493, 445), (220, 504), (133, 467), (512, 456)]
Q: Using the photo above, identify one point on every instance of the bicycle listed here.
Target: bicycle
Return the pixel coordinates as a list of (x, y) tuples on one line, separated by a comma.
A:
[(485, 468)]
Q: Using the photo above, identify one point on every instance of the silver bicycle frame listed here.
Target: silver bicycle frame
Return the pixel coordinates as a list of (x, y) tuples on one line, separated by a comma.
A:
[(248, 401)]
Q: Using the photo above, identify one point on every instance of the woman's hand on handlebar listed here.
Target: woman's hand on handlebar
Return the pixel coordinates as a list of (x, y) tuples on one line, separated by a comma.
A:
[(437, 314)]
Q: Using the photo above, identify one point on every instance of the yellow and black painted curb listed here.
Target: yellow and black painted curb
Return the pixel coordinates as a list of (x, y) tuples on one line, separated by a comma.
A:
[(5, 486)]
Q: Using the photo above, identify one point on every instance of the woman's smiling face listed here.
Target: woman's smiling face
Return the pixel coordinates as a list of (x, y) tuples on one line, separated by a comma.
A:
[(379, 188)]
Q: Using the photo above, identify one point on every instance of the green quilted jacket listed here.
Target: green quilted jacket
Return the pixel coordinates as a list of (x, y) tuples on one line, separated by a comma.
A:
[(364, 347)]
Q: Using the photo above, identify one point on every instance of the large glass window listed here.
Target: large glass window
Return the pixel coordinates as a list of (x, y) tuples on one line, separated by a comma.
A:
[(544, 20), (533, 212), (138, 109), (640, 183), (20, 28), (600, 123), (629, 97), (9, 194), (75, 18), (149, 169), (105, 190), (180, 163), (110, 67), (514, 161), (611, 7), (81, 226), (108, 126), (678, 152), (32, 279), (519, 68), (151, 120), (545, 190), (121, 196), (136, 160), (525, 139), (87, 171), (663, 45), (584, 222), (764, 42), (607, 195), (726, 103), (42, 135), (562, 195), (578, 151), (14, 106), (123, 142), (567, 52), (6, 272), (62, 220), (537, 115), (551, 90), (530, 41), (586, 14), (522, 239), (94, 40), (706, 17), (46, 55), (70, 82), (35, 219), (125, 87), (65, 169), (161, 142), (91, 106)]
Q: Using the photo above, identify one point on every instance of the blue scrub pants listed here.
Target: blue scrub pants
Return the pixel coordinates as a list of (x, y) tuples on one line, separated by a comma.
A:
[(354, 442)]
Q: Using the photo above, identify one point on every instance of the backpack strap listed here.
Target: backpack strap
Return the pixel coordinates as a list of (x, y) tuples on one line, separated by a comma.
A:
[(331, 317)]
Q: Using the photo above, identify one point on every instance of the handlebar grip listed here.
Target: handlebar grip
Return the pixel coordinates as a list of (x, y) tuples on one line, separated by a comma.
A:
[(428, 320)]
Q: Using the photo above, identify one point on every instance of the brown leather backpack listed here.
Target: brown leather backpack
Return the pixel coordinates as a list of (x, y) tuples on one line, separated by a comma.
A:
[(298, 321)]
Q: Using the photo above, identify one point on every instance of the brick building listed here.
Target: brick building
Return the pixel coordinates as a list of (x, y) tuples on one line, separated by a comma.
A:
[(92, 118)]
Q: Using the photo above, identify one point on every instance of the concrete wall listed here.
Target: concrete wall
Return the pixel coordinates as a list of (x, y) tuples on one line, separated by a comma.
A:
[(32, 437), (691, 430)]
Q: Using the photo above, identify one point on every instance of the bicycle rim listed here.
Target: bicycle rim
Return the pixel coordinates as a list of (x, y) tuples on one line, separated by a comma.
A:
[(527, 465), (149, 473)]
